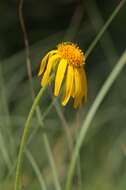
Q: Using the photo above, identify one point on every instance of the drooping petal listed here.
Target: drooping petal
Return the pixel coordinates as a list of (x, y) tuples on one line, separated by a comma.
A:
[(73, 88), (81, 95), (77, 81), (44, 61), (68, 85), (78, 87), (82, 92), (60, 75), (46, 76), (84, 83)]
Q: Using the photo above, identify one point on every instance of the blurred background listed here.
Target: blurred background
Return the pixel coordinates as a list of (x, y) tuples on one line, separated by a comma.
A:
[(102, 160)]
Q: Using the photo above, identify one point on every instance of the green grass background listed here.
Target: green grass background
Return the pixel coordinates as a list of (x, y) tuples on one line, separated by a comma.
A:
[(102, 161)]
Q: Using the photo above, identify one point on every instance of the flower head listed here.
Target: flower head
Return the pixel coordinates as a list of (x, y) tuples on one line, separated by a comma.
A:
[(67, 62)]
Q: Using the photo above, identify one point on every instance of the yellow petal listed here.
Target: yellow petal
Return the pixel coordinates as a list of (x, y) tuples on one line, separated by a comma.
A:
[(77, 81), (46, 76), (60, 75), (84, 83), (68, 85), (44, 61), (78, 87), (77, 101), (73, 89), (83, 88)]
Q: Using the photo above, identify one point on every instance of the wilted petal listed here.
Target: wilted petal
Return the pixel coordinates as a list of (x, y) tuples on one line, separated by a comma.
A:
[(60, 75), (78, 87), (46, 76), (45, 60), (68, 85)]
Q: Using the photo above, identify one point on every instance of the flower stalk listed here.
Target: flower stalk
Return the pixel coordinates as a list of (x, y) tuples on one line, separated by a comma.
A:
[(25, 136)]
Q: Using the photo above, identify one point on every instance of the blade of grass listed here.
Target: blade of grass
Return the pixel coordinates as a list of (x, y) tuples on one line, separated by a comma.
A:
[(5, 109), (104, 28), (37, 170), (88, 52), (65, 126), (86, 124), (4, 152), (52, 163), (74, 23), (97, 23), (26, 42)]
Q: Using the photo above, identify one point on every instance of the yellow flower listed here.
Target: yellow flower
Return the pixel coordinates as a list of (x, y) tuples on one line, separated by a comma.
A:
[(67, 61)]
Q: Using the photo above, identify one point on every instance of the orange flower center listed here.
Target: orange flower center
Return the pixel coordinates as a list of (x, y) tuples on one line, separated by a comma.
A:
[(72, 53)]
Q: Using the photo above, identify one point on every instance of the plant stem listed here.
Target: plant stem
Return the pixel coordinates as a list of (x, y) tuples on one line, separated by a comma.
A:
[(24, 137), (86, 124)]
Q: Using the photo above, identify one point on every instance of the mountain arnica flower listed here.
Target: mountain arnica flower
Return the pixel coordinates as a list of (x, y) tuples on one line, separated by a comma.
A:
[(67, 62)]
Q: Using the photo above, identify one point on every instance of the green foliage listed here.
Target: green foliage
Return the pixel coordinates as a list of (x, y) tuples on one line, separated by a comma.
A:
[(102, 162)]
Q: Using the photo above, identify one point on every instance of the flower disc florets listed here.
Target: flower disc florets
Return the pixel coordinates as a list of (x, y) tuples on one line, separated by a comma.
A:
[(72, 53)]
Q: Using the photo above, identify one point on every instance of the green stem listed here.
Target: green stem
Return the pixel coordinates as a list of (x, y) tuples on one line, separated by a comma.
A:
[(24, 137), (97, 102), (103, 29)]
